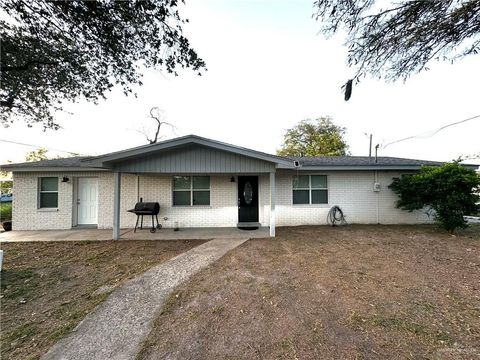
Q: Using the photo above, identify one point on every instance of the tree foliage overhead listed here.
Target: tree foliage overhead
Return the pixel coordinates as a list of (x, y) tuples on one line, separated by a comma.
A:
[(320, 137), (37, 155), (450, 190), (393, 39), (60, 50)]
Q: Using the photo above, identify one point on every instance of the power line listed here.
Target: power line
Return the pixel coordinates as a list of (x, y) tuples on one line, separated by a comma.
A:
[(428, 134), (39, 147)]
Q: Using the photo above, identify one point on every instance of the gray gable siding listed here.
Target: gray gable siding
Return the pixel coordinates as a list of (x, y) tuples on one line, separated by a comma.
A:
[(194, 159)]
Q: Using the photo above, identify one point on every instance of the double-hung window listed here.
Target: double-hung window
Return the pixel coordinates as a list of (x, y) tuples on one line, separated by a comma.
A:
[(47, 192), (191, 190), (310, 189)]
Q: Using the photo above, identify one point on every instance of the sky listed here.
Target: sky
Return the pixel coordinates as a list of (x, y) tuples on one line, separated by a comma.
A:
[(269, 68)]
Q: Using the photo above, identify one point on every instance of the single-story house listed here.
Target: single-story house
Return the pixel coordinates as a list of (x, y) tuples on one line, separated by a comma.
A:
[(200, 182)]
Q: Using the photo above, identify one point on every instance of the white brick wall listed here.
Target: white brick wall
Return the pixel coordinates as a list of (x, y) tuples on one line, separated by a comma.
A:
[(27, 216), (352, 191), (128, 199), (222, 211)]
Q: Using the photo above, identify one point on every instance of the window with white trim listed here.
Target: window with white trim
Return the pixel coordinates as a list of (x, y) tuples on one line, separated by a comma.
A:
[(191, 190), (310, 189), (47, 192)]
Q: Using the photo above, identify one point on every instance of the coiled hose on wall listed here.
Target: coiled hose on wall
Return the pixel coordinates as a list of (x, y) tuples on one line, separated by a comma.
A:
[(335, 216)]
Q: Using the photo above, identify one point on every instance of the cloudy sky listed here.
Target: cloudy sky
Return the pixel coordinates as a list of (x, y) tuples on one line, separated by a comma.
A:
[(268, 68)]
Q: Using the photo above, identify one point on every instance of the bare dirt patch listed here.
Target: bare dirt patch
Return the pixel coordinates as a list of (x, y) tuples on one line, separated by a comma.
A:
[(357, 292), (48, 288)]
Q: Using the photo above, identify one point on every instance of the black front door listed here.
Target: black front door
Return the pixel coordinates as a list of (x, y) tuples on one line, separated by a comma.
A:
[(248, 199)]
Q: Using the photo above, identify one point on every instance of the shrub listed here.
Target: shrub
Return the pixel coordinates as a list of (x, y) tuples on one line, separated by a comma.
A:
[(450, 190), (5, 211)]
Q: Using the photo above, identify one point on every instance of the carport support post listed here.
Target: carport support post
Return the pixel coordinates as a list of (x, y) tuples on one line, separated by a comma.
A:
[(272, 204), (117, 177)]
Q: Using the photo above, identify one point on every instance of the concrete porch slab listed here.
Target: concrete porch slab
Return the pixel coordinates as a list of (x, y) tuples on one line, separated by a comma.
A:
[(128, 234)]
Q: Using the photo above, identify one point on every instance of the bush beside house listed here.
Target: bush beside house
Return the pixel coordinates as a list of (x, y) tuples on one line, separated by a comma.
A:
[(450, 190)]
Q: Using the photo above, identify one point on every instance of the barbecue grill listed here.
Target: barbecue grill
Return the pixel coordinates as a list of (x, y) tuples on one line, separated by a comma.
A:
[(147, 208)]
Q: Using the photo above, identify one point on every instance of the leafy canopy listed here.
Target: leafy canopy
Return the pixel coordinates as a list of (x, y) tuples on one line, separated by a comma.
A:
[(60, 50), (450, 190), (320, 137), (6, 186), (393, 39), (37, 155)]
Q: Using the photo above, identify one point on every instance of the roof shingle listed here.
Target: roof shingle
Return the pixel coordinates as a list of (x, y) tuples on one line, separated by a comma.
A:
[(361, 161), (70, 162)]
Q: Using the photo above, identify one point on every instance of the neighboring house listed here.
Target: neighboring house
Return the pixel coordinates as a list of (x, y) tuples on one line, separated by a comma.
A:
[(205, 183)]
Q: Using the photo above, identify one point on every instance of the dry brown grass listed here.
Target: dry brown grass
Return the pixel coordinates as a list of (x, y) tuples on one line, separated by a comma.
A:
[(48, 288), (358, 292)]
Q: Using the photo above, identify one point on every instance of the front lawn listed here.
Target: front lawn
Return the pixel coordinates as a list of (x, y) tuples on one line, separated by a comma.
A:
[(357, 292), (47, 288)]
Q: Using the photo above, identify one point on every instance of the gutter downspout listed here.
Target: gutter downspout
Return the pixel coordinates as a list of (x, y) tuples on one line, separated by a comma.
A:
[(117, 182), (378, 200), (138, 188), (376, 180)]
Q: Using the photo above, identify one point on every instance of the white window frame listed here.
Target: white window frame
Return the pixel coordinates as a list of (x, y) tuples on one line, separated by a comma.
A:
[(310, 189), (40, 192), (191, 189)]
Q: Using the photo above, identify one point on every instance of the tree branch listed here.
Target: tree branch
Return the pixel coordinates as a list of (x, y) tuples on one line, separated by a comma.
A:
[(27, 65)]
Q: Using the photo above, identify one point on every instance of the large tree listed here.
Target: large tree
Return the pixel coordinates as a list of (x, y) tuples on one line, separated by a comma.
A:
[(65, 50), (320, 137), (393, 39)]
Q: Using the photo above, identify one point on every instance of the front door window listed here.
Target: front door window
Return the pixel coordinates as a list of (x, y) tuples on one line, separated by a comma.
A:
[(248, 193)]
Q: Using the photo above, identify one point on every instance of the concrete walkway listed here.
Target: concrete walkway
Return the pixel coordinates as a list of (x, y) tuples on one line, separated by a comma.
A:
[(117, 328)]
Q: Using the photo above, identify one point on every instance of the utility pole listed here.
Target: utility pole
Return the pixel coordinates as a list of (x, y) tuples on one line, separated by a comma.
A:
[(370, 147)]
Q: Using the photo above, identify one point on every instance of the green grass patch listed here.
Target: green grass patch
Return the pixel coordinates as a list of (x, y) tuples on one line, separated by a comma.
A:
[(395, 323), (18, 335), (426, 305), (218, 309), (5, 211), (170, 303), (61, 331), (265, 290), (18, 283)]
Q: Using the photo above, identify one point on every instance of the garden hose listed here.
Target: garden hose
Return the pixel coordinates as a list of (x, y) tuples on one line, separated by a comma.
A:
[(335, 216)]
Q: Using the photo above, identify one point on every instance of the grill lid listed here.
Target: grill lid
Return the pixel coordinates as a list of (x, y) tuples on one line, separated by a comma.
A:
[(146, 208)]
